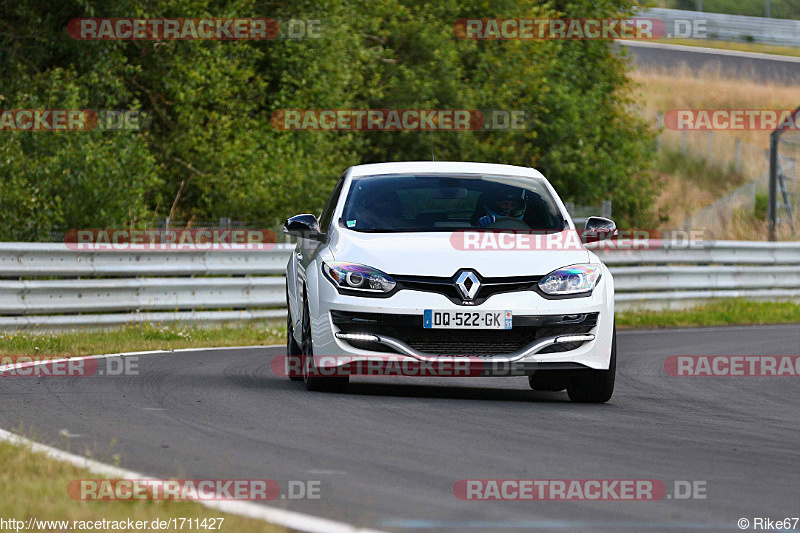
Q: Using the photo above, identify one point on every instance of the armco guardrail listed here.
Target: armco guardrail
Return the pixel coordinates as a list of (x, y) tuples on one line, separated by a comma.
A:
[(49, 286), (56, 259), (102, 288), (680, 23), (679, 275)]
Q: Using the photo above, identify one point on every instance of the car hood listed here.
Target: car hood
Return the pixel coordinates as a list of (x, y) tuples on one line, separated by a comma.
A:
[(435, 254)]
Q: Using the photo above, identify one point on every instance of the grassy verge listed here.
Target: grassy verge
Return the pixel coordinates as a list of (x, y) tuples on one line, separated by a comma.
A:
[(35, 486), (720, 313), (140, 338), (156, 337), (758, 48)]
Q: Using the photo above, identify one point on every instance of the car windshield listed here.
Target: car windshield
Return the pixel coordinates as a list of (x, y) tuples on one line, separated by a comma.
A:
[(426, 203)]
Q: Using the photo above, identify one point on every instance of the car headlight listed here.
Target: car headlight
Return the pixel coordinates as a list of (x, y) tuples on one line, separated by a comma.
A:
[(573, 279), (353, 276)]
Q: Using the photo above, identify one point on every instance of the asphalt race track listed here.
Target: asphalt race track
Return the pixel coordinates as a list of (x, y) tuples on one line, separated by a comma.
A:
[(389, 452), (761, 67)]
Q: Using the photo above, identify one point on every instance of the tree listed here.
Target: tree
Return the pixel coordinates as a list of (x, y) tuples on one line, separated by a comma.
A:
[(210, 150)]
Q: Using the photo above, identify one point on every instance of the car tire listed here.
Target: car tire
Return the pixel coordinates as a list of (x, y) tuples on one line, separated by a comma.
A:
[(316, 383), (595, 386), (293, 350)]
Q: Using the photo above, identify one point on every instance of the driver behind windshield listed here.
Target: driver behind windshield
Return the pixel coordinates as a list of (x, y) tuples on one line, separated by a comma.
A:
[(506, 203), (380, 210)]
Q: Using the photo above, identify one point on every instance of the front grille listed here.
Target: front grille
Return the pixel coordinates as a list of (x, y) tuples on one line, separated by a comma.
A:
[(408, 329), (446, 286)]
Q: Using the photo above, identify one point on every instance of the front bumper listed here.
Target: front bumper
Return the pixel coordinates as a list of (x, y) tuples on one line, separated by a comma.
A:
[(404, 349), (588, 348)]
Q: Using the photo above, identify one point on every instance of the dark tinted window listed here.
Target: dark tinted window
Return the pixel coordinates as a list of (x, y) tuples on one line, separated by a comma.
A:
[(449, 202), (327, 212)]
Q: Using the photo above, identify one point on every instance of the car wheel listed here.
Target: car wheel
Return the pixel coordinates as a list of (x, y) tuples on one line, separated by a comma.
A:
[(293, 350), (596, 386), (316, 383)]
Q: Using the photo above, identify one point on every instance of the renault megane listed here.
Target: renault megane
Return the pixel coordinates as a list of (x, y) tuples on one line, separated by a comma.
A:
[(426, 261)]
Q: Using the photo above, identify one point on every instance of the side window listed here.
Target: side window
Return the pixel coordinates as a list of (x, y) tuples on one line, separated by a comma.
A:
[(327, 212)]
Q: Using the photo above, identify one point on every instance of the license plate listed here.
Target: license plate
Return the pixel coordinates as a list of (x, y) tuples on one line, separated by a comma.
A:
[(432, 319)]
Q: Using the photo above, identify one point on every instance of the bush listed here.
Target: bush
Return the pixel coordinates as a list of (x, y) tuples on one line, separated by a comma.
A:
[(211, 151)]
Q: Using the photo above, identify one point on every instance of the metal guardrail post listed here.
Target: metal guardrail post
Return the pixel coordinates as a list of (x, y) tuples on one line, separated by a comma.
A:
[(773, 185), (738, 155), (605, 209), (710, 147), (774, 170)]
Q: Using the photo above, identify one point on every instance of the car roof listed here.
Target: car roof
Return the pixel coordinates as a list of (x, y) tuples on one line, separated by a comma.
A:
[(451, 167)]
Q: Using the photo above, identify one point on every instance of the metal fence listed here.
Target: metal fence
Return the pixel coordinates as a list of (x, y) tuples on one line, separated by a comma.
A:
[(676, 276), (717, 26), (48, 286)]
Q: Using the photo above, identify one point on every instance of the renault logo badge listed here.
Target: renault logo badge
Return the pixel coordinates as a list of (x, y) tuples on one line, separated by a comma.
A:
[(467, 284)]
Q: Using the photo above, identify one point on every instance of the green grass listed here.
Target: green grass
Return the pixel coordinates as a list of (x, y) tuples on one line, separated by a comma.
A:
[(140, 338), (737, 46), (173, 337), (718, 313), (35, 486), (785, 9), (707, 177)]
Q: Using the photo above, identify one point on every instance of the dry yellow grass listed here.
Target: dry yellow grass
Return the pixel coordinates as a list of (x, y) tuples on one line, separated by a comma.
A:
[(679, 198), (663, 90), (684, 193)]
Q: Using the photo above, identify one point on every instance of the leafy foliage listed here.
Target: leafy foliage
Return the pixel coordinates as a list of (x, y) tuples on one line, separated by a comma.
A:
[(210, 150)]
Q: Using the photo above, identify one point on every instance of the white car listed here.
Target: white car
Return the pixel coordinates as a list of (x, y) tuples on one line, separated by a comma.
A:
[(436, 261)]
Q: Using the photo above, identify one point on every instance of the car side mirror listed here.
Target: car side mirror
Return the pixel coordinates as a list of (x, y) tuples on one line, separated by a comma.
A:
[(304, 226), (598, 229)]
